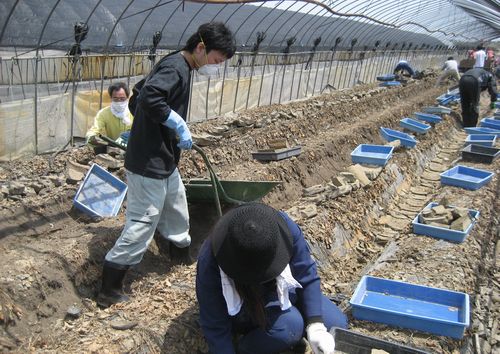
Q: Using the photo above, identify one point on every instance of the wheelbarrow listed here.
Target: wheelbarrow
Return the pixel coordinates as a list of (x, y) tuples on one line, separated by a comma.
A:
[(226, 191), (213, 189)]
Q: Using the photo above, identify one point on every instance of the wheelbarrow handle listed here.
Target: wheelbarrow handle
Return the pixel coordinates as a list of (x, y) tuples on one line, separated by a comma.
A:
[(216, 182)]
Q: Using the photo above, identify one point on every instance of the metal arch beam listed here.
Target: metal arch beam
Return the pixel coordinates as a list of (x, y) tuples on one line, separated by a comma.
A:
[(107, 46), (257, 8), (361, 21), (271, 41), (262, 20), (309, 24), (189, 22), (4, 27), (281, 14), (142, 24)]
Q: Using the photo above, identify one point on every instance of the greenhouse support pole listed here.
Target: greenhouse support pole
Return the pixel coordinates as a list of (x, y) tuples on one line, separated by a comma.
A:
[(262, 80), (222, 89)]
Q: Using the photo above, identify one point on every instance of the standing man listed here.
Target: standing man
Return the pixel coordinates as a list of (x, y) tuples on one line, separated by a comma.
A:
[(479, 56), (156, 195), (470, 86), (450, 70)]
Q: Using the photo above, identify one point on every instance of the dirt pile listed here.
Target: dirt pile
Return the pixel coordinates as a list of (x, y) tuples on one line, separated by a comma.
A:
[(52, 255)]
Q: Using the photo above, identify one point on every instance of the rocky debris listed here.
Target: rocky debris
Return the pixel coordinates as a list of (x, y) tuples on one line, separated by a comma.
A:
[(277, 143), (57, 180), (301, 212), (108, 162), (75, 172), (359, 172), (396, 144), (205, 139), (122, 325), (446, 216), (16, 188), (73, 312)]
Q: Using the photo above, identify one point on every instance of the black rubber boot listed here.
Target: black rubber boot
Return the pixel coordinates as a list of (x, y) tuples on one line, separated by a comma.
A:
[(180, 255), (111, 288)]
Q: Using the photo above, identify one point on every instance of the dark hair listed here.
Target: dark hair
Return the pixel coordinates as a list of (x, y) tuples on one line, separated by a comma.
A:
[(253, 303), (117, 86), (216, 36), (450, 58), (479, 47)]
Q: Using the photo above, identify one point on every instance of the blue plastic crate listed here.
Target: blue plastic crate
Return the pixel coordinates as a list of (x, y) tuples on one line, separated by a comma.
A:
[(441, 232), (437, 110), (427, 117), (372, 154), (439, 311), (444, 99), (466, 177), (100, 194), (490, 123), (387, 77), (414, 125), (391, 135), (481, 139), (390, 83), (482, 130)]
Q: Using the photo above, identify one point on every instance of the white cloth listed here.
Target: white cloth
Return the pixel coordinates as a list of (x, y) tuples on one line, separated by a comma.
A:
[(120, 111), (284, 283), (450, 65), (480, 56)]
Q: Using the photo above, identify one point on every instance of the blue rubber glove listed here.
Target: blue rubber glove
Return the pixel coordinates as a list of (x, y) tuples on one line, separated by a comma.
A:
[(124, 136), (175, 122)]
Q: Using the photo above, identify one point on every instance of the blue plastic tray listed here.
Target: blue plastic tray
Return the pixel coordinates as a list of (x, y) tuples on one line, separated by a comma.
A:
[(100, 194), (427, 117), (490, 123), (391, 135), (482, 130), (481, 139), (444, 99), (441, 232), (466, 177), (390, 83), (387, 77), (439, 311), (372, 154), (437, 110), (414, 125)]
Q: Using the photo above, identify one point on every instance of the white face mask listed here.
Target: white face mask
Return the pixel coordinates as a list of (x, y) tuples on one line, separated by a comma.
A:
[(120, 110), (209, 69)]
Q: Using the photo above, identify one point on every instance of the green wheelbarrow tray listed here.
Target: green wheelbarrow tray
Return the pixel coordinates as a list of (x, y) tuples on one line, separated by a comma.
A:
[(229, 192), (201, 190)]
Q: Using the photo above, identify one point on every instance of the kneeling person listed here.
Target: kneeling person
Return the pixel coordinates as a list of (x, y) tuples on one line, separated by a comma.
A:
[(256, 277)]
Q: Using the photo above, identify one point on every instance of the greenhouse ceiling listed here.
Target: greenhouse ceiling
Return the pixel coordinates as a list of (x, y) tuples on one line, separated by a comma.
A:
[(129, 25)]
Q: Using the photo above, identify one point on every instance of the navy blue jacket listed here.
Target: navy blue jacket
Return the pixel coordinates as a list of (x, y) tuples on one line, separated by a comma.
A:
[(214, 318)]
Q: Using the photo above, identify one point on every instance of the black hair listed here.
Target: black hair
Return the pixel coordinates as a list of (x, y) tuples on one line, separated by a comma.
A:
[(216, 36), (117, 86), (450, 58), (479, 47)]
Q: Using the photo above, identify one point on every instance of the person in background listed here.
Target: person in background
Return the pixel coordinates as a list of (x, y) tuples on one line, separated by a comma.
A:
[(479, 56), (114, 120), (256, 278), (156, 197), (450, 71), (470, 86), (403, 67)]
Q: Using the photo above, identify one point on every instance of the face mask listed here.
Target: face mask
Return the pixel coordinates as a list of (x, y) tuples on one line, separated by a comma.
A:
[(119, 107), (209, 69)]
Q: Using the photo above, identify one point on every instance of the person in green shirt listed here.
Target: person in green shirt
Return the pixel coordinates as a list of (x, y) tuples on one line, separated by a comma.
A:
[(114, 120)]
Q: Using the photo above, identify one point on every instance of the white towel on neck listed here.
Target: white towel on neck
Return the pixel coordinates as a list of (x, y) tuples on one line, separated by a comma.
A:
[(284, 283)]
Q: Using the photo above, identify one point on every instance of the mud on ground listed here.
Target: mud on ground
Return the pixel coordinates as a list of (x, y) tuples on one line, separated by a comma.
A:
[(52, 255)]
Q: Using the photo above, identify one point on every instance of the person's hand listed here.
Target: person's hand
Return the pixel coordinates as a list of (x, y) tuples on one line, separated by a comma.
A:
[(320, 340), (175, 122), (96, 141)]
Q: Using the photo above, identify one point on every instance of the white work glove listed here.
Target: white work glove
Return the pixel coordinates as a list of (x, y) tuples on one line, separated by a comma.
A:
[(175, 122), (320, 340)]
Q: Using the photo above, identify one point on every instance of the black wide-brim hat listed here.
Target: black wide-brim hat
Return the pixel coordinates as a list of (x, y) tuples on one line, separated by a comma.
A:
[(252, 243)]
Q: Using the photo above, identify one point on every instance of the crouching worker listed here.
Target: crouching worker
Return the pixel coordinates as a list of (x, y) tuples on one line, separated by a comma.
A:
[(403, 68), (256, 278), (114, 120)]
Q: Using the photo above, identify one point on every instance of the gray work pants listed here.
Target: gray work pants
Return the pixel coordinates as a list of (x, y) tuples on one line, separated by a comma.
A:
[(151, 204)]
